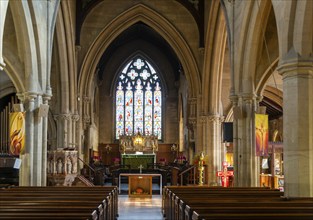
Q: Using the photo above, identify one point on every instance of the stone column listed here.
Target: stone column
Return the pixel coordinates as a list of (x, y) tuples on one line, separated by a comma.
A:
[(75, 118), (212, 145), (62, 130), (46, 99), (192, 122), (245, 161), (254, 169), (27, 172), (298, 131), (3, 12)]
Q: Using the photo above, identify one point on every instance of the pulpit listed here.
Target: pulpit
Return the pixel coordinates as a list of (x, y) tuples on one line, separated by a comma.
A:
[(62, 167)]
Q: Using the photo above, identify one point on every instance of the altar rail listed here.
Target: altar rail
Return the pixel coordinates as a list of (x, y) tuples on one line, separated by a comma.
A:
[(194, 202), (97, 203)]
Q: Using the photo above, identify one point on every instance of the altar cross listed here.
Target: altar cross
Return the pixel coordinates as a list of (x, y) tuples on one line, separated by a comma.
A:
[(140, 168), (225, 174)]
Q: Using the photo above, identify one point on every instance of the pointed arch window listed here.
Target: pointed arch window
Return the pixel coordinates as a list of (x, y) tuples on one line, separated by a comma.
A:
[(138, 100)]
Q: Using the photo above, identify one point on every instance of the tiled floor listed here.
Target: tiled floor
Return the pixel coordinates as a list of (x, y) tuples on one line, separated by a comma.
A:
[(140, 208)]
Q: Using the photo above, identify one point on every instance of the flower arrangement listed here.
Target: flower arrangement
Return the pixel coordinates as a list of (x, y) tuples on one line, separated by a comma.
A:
[(116, 160), (181, 159), (162, 160)]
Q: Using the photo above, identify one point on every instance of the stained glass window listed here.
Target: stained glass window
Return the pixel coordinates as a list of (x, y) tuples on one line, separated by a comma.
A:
[(138, 100)]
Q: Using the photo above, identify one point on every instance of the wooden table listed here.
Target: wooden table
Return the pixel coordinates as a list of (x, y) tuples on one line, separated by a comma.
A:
[(143, 180)]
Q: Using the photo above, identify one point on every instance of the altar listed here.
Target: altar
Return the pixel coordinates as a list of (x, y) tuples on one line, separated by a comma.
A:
[(135, 160), (138, 150)]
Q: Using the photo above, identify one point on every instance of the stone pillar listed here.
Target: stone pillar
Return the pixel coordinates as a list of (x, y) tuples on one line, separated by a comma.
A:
[(62, 130), (298, 131), (46, 99), (85, 126), (25, 156), (31, 172), (75, 118), (212, 145), (192, 123), (254, 169), (3, 12), (246, 169)]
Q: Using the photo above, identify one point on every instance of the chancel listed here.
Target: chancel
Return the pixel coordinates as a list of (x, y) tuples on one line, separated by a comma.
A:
[(133, 98)]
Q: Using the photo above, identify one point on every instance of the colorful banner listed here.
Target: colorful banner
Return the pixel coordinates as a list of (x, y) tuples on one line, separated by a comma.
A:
[(17, 132), (261, 134)]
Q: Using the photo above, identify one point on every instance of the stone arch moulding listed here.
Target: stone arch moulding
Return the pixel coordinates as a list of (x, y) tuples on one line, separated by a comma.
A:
[(139, 53), (159, 24), (26, 42), (214, 60), (261, 84), (293, 32), (12, 71)]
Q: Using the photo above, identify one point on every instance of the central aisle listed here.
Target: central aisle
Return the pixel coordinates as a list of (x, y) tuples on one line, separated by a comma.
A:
[(140, 208)]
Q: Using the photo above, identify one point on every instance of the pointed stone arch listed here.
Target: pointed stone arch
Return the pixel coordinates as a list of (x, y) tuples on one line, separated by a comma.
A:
[(214, 59), (65, 55), (139, 13), (295, 29), (26, 43)]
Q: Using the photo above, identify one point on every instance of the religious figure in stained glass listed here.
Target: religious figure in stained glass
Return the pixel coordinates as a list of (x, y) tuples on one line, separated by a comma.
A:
[(138, 100)]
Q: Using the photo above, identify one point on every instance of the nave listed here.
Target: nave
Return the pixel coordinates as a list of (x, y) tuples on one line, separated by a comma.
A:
[(148, 208)]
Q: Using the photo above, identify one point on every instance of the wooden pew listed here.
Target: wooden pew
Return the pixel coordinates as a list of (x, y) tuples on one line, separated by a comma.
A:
[(168, 190), (254, 216), (232, 203), (172, 195), (231, 210), (65, 198), (56, 216), (90, 202), (111, 189)]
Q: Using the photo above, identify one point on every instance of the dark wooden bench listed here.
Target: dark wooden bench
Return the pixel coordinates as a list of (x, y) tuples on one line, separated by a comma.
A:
[(52, 197), (232, 210), (168, 190), (233, 203), (172, 196), (112, 190), (253, 216), (53, 202)]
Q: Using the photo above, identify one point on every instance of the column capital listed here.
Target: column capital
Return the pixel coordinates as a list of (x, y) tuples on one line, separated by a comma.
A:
[(48, 93), (86, 99), (192, 101), (248, 97), (192, 121), (86, 120), (62, 117), (234, 99), (259, 98), (216, 118), (204, 119), (75, 117), (27, 96), (296, 67)]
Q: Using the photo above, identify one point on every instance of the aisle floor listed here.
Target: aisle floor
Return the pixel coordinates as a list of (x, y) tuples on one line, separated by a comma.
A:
[(140, 208)]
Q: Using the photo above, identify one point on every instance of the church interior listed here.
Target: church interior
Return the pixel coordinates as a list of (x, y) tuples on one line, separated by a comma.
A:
[(188, 95)]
